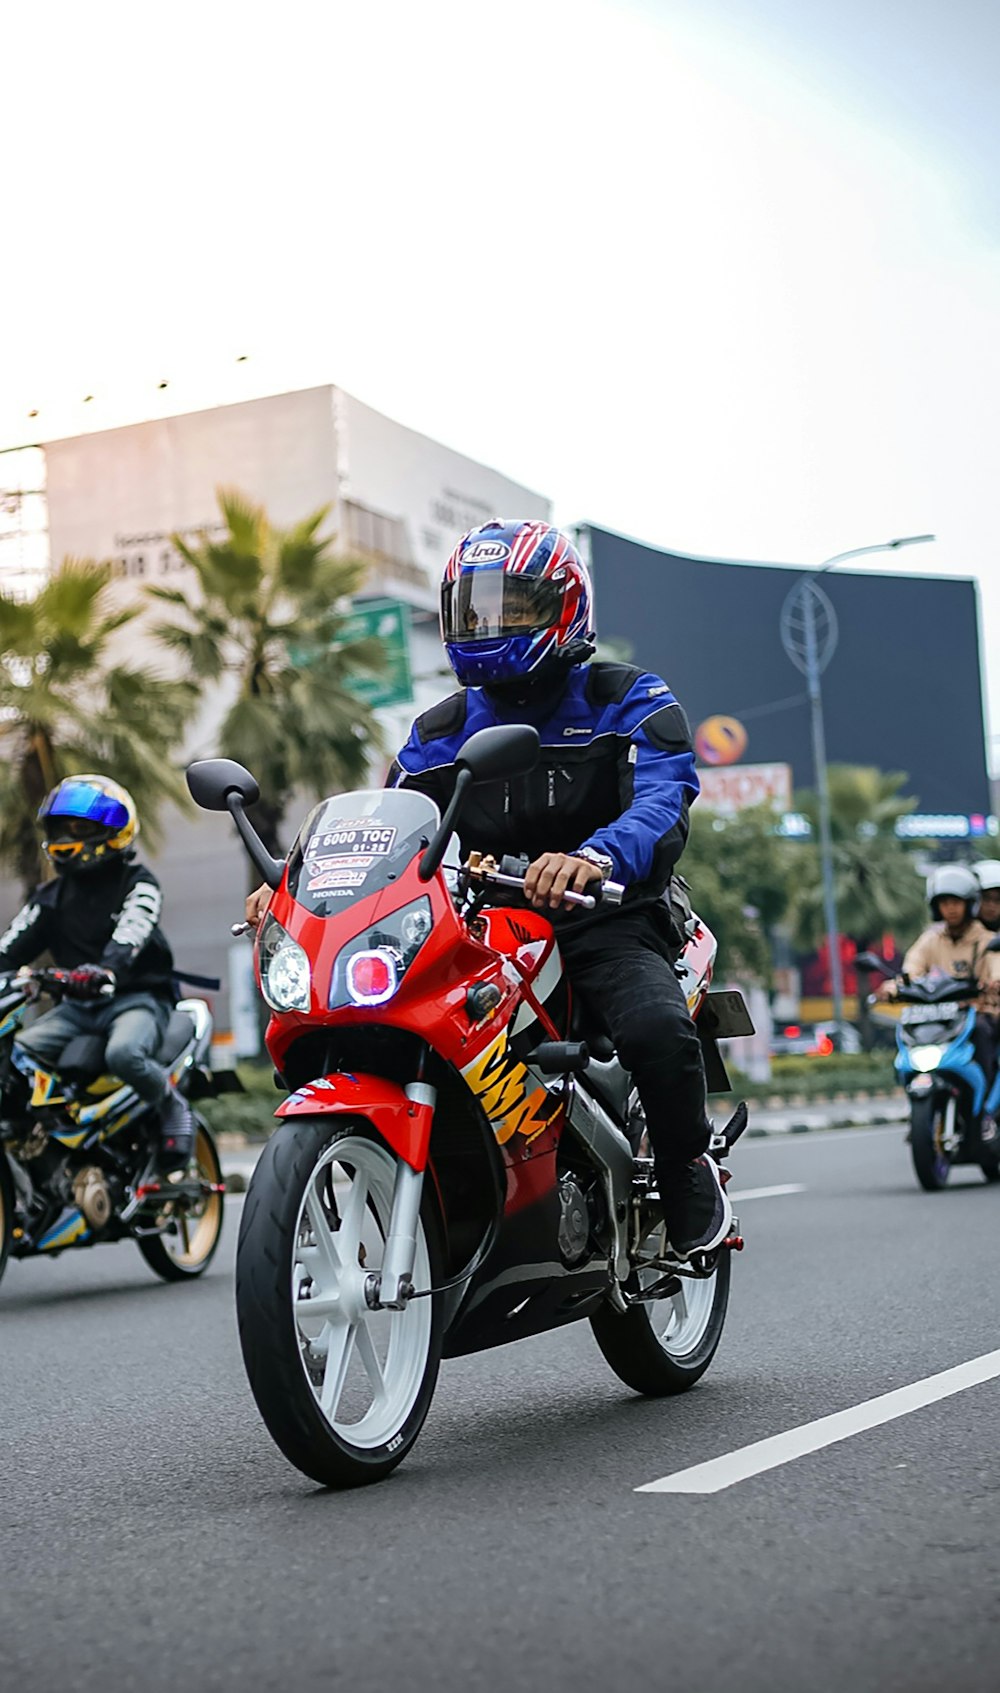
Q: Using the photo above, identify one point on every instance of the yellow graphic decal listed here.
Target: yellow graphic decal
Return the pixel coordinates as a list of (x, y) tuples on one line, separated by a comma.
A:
[(501, 1083)]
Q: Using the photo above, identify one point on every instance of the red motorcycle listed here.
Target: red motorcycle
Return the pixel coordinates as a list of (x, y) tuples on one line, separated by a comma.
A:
[(458, 1163)]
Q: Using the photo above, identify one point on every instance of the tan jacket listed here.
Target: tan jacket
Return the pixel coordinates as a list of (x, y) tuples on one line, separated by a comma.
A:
[(935, 950)]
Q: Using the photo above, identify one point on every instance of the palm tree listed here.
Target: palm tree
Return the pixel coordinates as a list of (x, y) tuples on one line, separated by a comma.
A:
[(876, 883), (66, 707), (271, 605)]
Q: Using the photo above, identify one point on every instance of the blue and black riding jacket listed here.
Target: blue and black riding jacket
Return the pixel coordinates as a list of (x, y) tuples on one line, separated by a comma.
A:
[(616, 773)]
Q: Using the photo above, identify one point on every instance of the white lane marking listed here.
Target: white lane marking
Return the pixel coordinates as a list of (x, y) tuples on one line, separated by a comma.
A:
[(747, 1461), (768, 1192)]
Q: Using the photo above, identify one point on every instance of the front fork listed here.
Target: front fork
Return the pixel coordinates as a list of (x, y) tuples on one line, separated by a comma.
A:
[(392, 1287)]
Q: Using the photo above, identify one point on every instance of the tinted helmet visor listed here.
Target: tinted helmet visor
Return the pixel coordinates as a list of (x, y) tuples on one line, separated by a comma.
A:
[(489, 605)]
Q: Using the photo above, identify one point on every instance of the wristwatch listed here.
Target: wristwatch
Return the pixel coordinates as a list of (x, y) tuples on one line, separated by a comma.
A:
[(600, 860)]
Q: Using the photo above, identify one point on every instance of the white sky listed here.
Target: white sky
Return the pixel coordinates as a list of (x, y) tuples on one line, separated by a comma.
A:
[(723, 274)]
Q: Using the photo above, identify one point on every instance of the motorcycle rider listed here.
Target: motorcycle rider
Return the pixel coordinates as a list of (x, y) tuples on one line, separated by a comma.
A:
[(956, 943), (608, 799), (99, 919), (988, 876)]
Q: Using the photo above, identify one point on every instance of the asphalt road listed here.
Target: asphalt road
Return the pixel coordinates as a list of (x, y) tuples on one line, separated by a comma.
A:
[(154, 1538)]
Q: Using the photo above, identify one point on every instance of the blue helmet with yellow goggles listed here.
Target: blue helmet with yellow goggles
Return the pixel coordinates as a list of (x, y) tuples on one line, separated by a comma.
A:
[(87, 821)]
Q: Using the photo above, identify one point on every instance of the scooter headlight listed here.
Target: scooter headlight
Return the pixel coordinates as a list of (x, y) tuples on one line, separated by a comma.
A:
[(285, 977), (926, 1057)]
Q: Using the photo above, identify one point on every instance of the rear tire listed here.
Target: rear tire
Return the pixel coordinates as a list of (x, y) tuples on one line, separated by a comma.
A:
[(657, 1349), (188, 1245), (6, 1211), (931, 1164), (989, 1163), (344, 1392)]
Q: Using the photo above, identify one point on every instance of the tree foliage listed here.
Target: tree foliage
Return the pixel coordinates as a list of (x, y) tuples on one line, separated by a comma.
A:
[(66, 707), (271, 607), (740, 873), (876, 883)]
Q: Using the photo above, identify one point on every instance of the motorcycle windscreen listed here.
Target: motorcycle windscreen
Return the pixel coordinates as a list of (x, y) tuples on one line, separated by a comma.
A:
[(352, 845)]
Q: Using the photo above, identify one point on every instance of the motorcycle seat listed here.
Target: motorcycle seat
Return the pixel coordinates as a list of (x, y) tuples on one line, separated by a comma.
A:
[(82, 1058)]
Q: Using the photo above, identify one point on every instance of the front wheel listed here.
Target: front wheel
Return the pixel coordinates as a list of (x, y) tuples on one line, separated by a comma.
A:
[(190, 1232), (931, 1162), (667, 1345), (342, 1388)]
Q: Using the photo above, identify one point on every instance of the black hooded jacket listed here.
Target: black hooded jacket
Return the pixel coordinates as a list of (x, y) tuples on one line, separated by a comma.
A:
[(108, 916)]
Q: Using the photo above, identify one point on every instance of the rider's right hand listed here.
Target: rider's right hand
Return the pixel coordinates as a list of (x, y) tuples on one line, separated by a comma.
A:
[(887, 989), (256, 905)]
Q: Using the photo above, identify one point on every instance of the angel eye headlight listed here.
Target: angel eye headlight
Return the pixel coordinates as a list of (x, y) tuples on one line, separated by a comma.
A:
[(285, 977), (369, 970)]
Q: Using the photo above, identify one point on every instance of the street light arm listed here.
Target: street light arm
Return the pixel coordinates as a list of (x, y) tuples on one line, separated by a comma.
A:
[(874, 547)]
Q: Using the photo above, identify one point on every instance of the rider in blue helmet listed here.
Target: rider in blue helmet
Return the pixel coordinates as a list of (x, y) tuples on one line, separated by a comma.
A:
[(99, 920), (608, 798)]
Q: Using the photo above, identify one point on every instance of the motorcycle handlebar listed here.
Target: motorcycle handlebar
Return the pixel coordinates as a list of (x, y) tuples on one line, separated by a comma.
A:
[(609, 893)]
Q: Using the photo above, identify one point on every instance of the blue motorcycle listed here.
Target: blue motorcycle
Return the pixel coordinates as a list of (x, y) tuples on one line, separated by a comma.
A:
[(946, 1087)]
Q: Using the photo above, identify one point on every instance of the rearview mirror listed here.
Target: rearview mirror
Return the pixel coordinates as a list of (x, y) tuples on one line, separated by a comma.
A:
[(212, 780), (498, 753), (872, 961), (220, 784)]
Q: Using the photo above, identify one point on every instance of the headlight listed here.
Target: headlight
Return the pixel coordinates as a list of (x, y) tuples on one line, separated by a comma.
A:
[(285, 978), (370, 968), (926, 1057)]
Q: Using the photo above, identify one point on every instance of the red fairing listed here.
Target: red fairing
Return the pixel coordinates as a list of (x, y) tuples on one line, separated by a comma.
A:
[(406, 1127)]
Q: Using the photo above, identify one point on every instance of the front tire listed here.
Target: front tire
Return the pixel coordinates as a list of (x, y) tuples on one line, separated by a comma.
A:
[(344, 1390), (667, 1345), (189, 1239), (930, 1162)]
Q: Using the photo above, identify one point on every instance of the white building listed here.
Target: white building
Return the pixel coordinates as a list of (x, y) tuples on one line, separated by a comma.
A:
[(395, 497)]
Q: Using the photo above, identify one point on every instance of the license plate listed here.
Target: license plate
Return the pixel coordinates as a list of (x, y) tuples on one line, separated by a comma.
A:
[(942, 1013)]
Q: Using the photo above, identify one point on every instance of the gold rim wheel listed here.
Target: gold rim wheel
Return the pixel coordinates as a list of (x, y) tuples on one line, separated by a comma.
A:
[(190, 1236)]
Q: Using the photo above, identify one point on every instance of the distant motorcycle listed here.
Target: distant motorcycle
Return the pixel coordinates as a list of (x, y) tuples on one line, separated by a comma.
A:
[(455, 1167), (946, 1087), (82, 1171)]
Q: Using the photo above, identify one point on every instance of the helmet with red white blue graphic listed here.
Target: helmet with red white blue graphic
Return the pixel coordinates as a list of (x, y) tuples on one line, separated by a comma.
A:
[(515, 601)]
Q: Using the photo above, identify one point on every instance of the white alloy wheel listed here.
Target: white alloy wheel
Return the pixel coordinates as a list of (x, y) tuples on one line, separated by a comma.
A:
[(365, 1369), (680, 1323)]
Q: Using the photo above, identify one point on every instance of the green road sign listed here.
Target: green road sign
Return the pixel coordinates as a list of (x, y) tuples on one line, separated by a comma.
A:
[(389, 622)]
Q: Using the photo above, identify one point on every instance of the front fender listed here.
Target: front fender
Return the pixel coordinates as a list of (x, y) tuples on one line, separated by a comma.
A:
[(403, 1124)]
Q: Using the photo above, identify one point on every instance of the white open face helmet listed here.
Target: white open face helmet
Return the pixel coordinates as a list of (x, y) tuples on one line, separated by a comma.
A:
[(988, 872), (956, 881)]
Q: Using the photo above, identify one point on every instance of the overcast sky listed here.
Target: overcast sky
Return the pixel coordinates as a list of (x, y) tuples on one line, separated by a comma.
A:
[(723, 274)]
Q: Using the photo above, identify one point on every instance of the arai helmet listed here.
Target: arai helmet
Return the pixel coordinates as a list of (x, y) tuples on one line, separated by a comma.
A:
[(515, 598)]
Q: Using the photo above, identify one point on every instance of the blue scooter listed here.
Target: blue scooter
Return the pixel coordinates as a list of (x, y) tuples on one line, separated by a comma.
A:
[(947, 1089)]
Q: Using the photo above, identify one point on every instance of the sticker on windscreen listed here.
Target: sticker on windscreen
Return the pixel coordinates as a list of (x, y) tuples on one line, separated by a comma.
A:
[(335, 879), (373, 840)]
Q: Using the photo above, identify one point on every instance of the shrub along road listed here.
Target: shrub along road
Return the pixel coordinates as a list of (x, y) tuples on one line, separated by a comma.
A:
[(156, 1538)]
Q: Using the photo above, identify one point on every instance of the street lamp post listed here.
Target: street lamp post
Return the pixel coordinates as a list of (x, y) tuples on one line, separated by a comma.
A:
[(809, 636)]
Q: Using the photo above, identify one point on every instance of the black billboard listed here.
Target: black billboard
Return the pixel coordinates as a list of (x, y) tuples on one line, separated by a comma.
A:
[(902, 691)]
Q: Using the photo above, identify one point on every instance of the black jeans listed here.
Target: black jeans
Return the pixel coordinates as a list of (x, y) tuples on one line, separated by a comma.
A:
[(985, 1045), (621, 968)]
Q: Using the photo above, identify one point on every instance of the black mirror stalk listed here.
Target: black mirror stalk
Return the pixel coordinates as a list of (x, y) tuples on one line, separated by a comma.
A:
[(433, 854), (272, 869)]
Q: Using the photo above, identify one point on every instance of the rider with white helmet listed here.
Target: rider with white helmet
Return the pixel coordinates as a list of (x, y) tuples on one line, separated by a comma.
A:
[(956, 944), (988, 876)]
